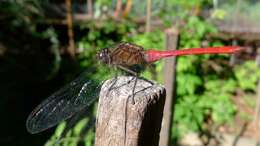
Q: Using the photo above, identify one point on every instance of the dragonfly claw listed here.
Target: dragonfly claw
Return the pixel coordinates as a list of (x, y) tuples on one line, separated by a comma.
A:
[(132, 99)]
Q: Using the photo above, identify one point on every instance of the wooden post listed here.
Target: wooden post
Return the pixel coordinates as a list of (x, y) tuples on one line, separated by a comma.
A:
[(71, 48), (169, 82), (122, 123), (90, 8), (148, 15), (233, 57), (118, 10), (257, 108), (127, 8)]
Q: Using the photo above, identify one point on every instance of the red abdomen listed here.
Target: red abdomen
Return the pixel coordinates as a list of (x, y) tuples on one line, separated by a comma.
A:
[(154, 55)]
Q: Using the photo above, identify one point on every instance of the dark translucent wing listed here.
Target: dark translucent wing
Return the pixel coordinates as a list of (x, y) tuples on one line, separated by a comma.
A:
[(61, 105)]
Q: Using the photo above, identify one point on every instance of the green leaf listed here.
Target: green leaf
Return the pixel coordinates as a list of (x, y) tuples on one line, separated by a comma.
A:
[(247, 75)]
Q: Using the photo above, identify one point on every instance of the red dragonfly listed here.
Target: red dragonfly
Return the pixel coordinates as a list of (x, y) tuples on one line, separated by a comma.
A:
[(125, 55), (81, 93)]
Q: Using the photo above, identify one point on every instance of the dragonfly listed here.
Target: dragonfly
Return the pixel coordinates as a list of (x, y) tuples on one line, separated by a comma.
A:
[(80, 93)]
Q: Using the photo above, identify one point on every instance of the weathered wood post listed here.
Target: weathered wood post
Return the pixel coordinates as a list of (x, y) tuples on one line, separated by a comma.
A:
[(122, 123), (172, 36), (257, 108), (148, 15), (233, 57), (90, 8), (71, 47)]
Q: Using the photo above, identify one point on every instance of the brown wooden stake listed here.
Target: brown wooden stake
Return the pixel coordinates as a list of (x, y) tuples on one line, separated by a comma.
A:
[(127, 8), (257, 108), (169, 82), (122, 123), (118, 9), (233, 57), (90, 8), (71, 48), (148, 15)]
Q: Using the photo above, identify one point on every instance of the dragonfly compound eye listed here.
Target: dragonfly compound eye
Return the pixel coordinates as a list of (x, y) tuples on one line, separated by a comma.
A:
[(104, 56)]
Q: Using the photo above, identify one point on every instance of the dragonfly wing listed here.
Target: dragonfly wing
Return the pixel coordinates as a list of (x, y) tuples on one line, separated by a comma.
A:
[(127, 54), (62, 104)]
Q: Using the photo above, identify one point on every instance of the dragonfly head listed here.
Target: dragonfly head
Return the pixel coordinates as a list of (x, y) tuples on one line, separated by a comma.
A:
[(104, 56)]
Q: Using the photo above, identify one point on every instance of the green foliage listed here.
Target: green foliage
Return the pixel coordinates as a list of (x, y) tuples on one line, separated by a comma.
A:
[(244, 10), (97, 37), (22, 12), (150, 40), (73, 136), (249, 100), (247, 75), (19, 19), (153, 39), (202, 92), (100, 35)]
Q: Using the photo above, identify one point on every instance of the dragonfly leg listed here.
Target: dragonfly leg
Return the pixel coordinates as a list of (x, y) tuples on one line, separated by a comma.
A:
[(135, 80), (114, 82), (127, 70), (133, 91)]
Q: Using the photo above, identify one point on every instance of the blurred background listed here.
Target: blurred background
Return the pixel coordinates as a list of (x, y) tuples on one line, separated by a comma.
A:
[(44, 44)]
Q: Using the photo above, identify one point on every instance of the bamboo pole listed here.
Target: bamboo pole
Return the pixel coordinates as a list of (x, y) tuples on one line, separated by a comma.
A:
[(127, 8), (233, 57), (148, 16), (90, 8), (122, 123), (71, 48), (118, 9), (257, 108)]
